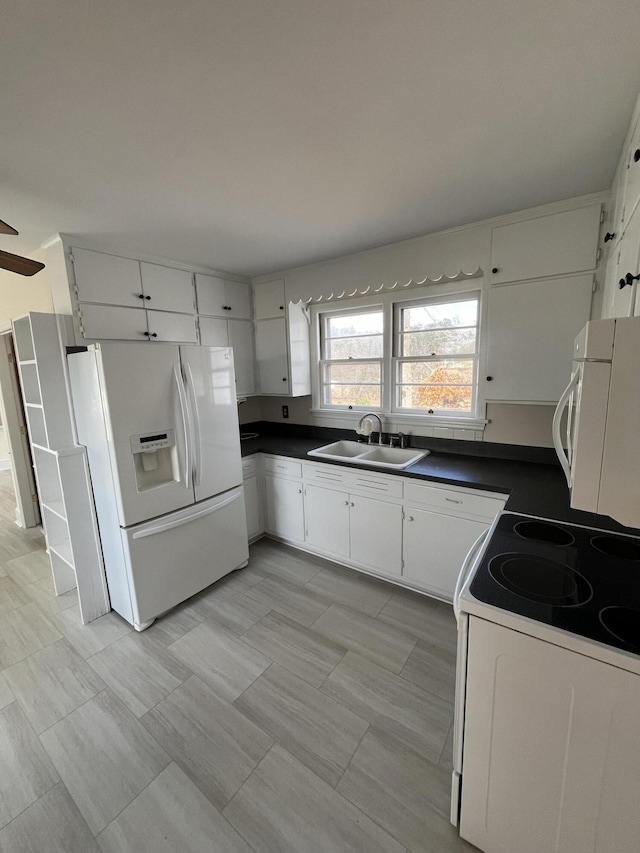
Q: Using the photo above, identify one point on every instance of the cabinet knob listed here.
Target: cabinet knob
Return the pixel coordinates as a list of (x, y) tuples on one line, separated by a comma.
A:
[(636, 155), (494, 270), (146, 334), (299, 491), (409, 518), (141, 296), (282, 307), (609, 236), (346, 503), (351, 504), (628, 280), (154, 335), (147, 297), (489, 378), (284, 378)]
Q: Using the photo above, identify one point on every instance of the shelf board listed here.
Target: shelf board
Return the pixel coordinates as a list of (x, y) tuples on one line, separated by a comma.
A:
[(64, 553), (34, 405), (28, 361), (37, 446), (56, 507)]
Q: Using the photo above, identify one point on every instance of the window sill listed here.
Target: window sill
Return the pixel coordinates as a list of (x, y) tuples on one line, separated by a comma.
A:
[(403, 419)]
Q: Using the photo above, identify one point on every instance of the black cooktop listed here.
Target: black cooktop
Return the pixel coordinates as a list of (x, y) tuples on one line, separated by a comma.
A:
[(580, 580)]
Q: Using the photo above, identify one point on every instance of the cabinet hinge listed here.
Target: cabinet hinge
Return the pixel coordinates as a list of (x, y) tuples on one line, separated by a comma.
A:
[(594, 286), (34, 498), (11, 357), (23, 430), (602, 214), (73, 260), (598, 254), (402, 564)]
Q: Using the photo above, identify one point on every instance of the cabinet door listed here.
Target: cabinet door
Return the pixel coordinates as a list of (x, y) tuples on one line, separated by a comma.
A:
[(269, 300), (285, 509), (212, 295), (238, 300), (213, 332), (532, 328), (620, 302), (631, 180), (167, 289), (551, 756), (326, 513), (376, 535), (106, 323), (434, 548), (177, 328), (252, 507), (548, 245), (107, 279), (271, 356), (241, 341)]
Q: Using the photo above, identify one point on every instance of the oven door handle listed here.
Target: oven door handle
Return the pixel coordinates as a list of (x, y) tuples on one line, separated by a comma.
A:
[(557, 418), (465, 571)]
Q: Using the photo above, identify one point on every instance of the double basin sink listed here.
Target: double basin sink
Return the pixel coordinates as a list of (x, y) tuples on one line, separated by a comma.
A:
[(370, 454)]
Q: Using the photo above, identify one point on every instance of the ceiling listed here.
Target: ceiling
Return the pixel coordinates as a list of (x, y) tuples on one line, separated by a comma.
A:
[(255, 135)]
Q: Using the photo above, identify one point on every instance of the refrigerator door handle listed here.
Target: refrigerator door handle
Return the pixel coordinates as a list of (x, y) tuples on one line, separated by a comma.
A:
[(557, 418), (178, 522), (197, 465), (186, 424)]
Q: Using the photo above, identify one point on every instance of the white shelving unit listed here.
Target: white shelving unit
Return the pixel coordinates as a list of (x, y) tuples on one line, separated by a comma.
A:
[(62, 472)]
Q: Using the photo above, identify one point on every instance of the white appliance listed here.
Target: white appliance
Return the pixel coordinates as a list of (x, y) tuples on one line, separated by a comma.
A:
[(160, 424), (601, 461)]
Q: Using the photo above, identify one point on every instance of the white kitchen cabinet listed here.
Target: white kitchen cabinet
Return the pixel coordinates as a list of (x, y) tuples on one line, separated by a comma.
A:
[(219, 297), (558, 244), (252, 503), (376, 535), (551, 754), (175, 328), (237, 334), (285, 508), (283, 354), (327, 520), (107, 279), (269, 299), (621, 302), (167, 289), (434, 548), (213, 332), (532, 328), (109, 323), (629, 189)]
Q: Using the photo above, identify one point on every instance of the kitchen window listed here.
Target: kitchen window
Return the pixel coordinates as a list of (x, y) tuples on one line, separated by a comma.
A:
[(436, 355), (411, 359)]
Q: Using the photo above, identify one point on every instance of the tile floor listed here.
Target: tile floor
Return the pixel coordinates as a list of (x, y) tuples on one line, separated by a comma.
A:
[(294, 706)]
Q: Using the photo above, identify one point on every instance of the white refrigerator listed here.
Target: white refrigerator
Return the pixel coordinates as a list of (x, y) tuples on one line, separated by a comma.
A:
[(160, 424)]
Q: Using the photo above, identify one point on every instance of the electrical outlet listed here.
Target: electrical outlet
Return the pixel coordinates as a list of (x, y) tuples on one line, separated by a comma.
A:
[(285, 411)]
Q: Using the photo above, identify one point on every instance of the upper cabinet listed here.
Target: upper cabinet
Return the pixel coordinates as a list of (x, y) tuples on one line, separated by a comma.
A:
[(623, 267), (219, 297), (558, 244), (629, 188), (167, 289), (269, 300), (107, 279)]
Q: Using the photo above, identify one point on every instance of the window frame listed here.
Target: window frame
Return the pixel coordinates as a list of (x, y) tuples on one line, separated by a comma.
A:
[(399, 359), (401, 419)]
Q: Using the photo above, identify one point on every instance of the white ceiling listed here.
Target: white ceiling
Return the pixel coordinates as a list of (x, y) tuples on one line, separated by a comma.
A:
[(255, 135)]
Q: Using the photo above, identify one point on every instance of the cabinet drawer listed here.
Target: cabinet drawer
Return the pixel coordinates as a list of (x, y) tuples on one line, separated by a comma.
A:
[(249, 468), (362, 481), (285, 467), (453, 501), (328, 474)]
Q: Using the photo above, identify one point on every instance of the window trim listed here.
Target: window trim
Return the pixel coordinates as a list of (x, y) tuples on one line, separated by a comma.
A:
[(389, 299)]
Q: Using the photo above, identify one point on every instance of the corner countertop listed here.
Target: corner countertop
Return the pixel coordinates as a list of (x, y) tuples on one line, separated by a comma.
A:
[(533, 488)]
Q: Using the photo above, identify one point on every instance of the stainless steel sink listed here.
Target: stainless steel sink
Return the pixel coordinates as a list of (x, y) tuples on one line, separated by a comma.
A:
[(366, 454)]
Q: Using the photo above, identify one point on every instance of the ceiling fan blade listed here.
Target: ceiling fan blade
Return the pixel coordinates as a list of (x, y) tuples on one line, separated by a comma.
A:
[(6, 229), (15, 263)]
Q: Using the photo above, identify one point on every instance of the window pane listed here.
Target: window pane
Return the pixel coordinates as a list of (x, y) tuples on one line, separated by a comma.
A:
[(353, 395), (349, 325), (437, 371), (440, 315), (456, 397), (356, 372), (439, 342), (366, 347)]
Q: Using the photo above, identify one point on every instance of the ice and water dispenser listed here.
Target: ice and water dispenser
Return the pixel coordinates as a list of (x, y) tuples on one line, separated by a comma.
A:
[(155, 459)]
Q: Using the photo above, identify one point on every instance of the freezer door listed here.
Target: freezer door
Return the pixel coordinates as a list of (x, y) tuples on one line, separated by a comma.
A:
[(141, 396), (211, 390), (172, 558)]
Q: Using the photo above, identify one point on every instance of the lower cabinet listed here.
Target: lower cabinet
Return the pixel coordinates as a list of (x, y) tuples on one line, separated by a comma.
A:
[(327, 520), (285, 508), (376, 535), (255, 526), (551, 756), (435, 546)]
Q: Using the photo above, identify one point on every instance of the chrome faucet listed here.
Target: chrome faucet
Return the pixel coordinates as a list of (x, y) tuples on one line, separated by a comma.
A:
[(371, 415)]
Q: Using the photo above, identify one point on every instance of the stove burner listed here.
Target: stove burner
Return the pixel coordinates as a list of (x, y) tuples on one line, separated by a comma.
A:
[(616, 546), (623, 623), (544, 532), (541, 580)]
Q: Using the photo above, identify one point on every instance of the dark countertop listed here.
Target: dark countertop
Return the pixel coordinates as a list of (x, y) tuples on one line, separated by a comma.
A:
[(533, 488)]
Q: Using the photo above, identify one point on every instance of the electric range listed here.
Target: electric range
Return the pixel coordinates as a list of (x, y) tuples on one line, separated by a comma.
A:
[(576, 579)]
